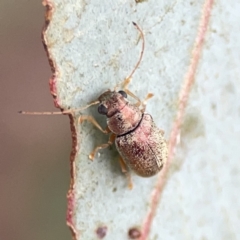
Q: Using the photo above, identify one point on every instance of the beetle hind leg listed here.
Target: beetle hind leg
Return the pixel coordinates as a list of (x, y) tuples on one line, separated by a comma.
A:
[(124, 169)]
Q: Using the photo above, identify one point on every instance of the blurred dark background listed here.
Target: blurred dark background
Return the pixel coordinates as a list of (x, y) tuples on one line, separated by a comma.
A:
[(34, 155)]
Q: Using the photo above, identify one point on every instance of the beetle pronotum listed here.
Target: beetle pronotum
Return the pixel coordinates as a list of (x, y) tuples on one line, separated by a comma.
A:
[(140, 143)]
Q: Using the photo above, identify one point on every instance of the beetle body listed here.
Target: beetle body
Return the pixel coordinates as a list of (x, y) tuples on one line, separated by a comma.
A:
[(138, 140)]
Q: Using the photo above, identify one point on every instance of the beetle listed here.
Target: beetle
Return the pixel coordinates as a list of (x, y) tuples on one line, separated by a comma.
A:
[(139, 141)]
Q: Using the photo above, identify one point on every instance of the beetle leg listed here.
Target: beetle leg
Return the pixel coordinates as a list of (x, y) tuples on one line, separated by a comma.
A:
[(102, 146), (139, 102), (125, 83), (93, 121), (144, 103), (125, 171)]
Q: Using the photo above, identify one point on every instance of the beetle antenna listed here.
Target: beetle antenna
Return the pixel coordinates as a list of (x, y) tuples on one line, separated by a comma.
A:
[(141, 55), (70, 111)]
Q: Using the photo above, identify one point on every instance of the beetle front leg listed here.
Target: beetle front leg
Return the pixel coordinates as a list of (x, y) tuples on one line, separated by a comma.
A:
[(102, 146), (144, 102), (139, 102), (126, 172), (94, 122), (124, 85)]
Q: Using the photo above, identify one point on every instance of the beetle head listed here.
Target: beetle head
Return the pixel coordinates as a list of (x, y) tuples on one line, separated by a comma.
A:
[(112, 102)]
